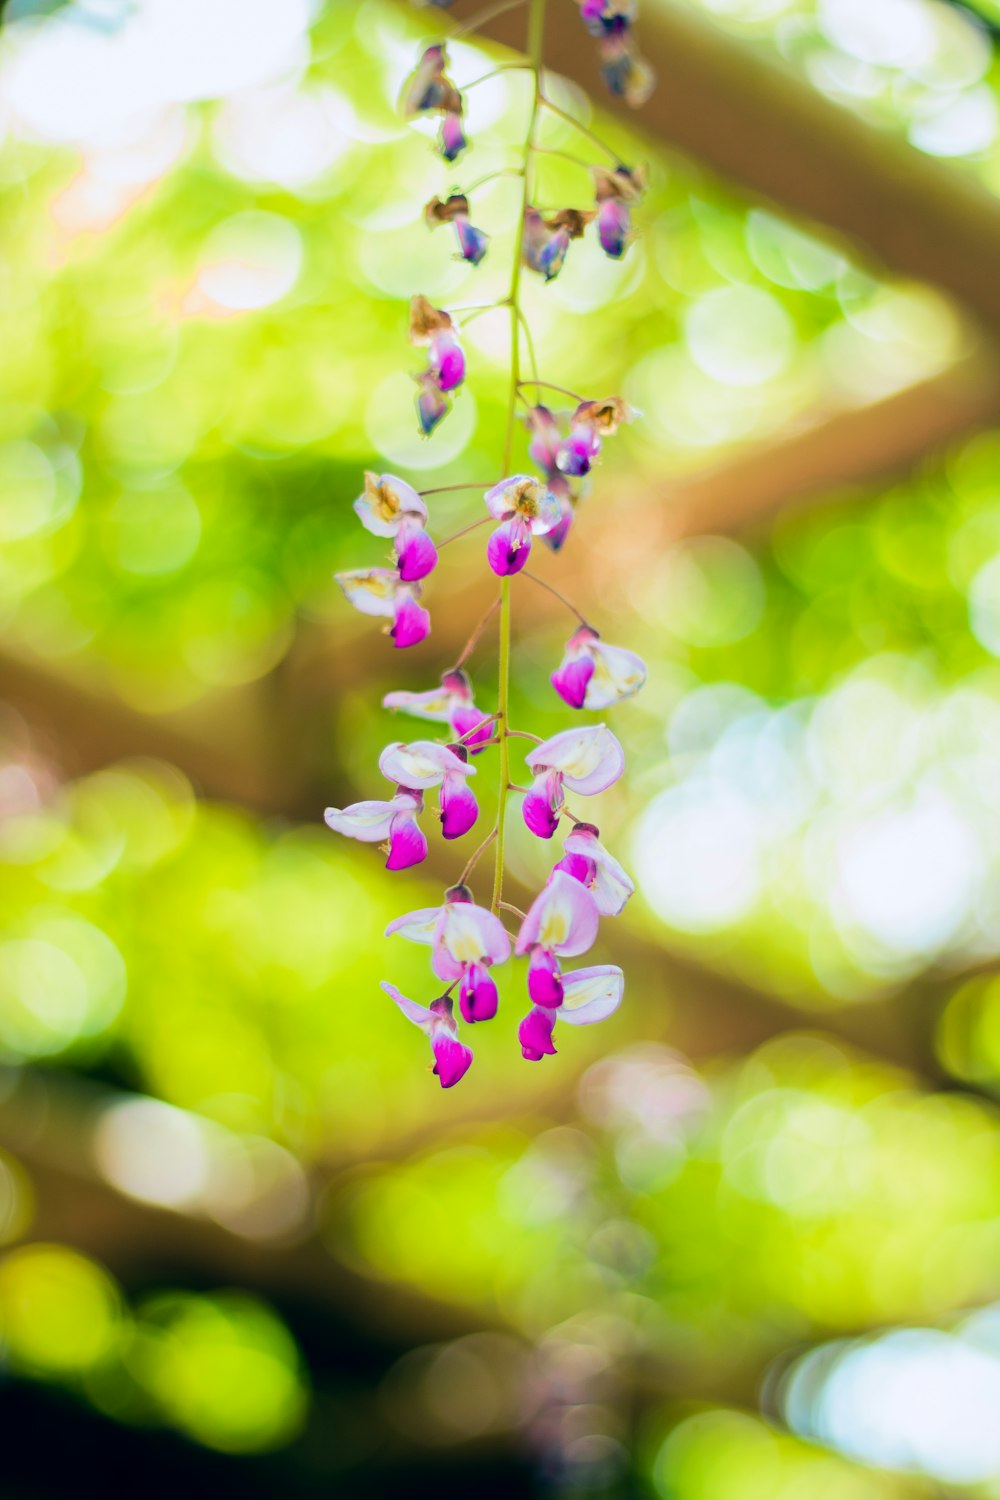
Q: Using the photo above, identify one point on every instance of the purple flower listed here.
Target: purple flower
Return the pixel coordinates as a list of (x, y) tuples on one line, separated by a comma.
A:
[(386, 502), (556, 538), (391, 507), (451, 704), (431, 405), (627, 75), (416, 554), (381, 591), (543, 449), (428, 89), (422, 764), (594, 675), (525, 507), (616, 190), (447, 360), (545, 242), (432, 327), (466, 941), (452, 139), (452, 1058), (374, 822), (587, 760), (608, 17), (589, 995), (454, 210), (561, 921), (587, 860)]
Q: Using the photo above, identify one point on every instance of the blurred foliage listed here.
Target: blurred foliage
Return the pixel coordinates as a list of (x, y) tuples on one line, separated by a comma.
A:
[(925, 69)]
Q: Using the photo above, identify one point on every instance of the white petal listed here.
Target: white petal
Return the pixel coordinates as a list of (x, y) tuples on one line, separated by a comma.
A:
[(436, 704), (367, 821), (421, 764), (418, 925), (590, 758), (591, 994), (419, 1014), (372, 591), (612, 886), (472, 934), (617, 674)]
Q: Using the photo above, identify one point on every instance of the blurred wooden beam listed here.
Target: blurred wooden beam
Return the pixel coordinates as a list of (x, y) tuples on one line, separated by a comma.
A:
[(750, 118), (866, 446)]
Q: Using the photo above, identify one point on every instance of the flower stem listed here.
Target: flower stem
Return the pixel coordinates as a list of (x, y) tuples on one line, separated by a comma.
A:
[(577, 161), (492, 177), (469, 484), (472, 526), (524, 734), (474, 858), (563, 391), (511, 67), (515, 910), (489, 13), (556, 595), (486, 719), (563, 115), (536, 32), (470, 644)]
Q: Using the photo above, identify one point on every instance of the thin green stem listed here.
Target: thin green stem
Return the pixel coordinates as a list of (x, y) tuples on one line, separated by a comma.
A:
[(556, 595), (511, 67), (563, 115), (468, 484), (474, 858), (529, 341), (548, 386), (472, 526), (471, 643), (492, 177), (536, 31), (577, 161)]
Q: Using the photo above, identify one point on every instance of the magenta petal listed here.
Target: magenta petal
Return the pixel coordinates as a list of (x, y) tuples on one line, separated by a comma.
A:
[(544, 444), (448, 360), (477, 994), (407, 845), (451, 139), (535, 1034), (459, 809), (579, 450), (470, 725), (613, 227), (556, 538), (472, 242), (544, 982), (416, 554), (509, 546), (412, 623), (452, 1059), (540, 806), (562, 918), (571, 679), (431, 405), (577, 865)]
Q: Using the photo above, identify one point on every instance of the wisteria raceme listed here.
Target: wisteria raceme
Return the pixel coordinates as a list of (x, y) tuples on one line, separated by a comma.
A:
[(468, 940)]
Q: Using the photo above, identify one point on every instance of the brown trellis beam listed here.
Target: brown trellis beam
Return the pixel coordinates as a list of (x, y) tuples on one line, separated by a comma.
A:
[(750, 118)]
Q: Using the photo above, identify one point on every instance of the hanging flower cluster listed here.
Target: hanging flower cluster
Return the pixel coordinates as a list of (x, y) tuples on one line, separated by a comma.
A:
[(469, 941)]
